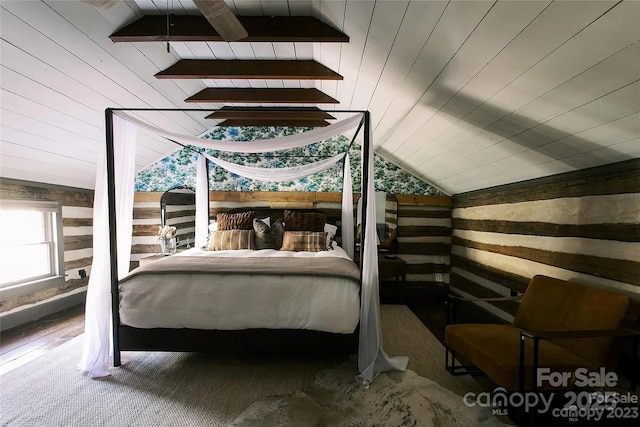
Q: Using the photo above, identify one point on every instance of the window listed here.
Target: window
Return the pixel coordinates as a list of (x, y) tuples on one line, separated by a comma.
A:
[(29, 248)]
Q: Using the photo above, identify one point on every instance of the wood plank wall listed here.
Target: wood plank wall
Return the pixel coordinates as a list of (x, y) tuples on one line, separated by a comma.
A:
[(424, 238), (424, 224), (582, 226), (77, 223)]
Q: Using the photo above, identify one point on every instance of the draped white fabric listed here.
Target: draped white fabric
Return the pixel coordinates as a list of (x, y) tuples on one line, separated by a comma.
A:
[(258, 146), (202, 202), (97, 337), (277, 174), (347, 209), (371, 357)]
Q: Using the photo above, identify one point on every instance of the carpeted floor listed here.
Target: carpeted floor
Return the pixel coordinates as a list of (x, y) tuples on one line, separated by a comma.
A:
[(185, 389)]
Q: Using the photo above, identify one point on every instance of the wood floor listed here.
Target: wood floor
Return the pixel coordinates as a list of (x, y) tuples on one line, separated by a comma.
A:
[(24, 343)]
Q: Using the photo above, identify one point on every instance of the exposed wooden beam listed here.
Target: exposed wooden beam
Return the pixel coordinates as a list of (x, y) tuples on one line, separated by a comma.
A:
[(153, 28), (271, 113), (273, 122), (248, 69), (263, 95)]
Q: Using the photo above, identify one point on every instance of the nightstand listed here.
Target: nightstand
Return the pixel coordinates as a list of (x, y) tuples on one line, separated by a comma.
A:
[(390, 268)]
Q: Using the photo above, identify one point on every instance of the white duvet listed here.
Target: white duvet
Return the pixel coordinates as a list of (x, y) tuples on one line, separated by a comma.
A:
[(242, 301)]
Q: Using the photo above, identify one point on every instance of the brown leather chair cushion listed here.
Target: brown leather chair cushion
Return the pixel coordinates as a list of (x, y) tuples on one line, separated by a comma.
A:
[(495, 349)]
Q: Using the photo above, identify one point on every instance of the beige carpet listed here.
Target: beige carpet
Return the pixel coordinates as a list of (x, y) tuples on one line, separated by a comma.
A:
[(183, 389)]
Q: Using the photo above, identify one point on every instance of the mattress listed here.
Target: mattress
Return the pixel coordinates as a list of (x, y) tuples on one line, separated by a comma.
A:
[(240, 300)]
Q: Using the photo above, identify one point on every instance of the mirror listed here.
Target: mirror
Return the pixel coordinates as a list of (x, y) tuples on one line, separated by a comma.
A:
[(386, 220), (178, 209)]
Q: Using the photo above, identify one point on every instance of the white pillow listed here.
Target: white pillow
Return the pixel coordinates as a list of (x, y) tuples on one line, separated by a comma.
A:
[(213, 226), (330, 229)]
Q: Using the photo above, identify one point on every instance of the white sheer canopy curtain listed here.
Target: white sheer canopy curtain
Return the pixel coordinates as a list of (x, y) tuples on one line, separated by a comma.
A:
[(202, 202), (371, 356), (97, 337)]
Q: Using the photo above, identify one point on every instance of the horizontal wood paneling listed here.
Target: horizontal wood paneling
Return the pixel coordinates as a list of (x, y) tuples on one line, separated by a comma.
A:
[(66, 196), (425, 248), (472, 288), (414, 213), (620, 270), (572, 247), (423, 230), (619, 232), (77, 238), (78, 263), (77, 222), (503, 278), (618, 178), (77, 242)]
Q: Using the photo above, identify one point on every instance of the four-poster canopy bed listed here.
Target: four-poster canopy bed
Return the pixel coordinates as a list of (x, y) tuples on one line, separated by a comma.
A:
[(113, 212)]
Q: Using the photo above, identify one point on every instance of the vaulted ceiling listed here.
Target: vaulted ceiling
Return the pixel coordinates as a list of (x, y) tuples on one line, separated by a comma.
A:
[(464, 94)]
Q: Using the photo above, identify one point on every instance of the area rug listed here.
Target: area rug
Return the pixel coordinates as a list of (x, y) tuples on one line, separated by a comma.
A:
[(393, 399), (188, 389)]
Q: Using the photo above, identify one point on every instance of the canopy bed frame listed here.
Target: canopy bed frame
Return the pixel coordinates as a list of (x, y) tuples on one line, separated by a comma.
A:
[(372, 358)]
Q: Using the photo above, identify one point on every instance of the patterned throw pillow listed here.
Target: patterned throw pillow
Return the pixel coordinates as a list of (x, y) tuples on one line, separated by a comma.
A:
[(304, 221), (309, 241), (236, 221), (268, 237), (330, 229), (231, 240)]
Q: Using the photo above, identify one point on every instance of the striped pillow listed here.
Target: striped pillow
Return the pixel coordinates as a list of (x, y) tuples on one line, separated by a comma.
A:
[(229, 240), (310, 241)]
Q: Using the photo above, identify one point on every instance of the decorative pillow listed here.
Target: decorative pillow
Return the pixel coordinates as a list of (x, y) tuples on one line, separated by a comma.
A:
[(309, 241), (304, 221), (236, 221), (230, 240), (213, 226), (330, 229), (268, 237)]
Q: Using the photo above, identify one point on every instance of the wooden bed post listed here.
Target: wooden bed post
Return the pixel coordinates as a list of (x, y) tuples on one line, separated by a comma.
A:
[(113, 248)]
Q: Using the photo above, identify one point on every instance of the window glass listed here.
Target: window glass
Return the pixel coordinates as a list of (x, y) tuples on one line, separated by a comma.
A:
[(28, 247)]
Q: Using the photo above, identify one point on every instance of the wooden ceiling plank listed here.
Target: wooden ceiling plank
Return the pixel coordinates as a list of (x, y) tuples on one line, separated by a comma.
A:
[(153, 28), (273, 122), (269, 113), (248, 69), (267, 95)]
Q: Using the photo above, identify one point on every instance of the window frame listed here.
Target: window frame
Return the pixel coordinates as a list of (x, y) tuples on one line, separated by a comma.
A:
[(54, 231)]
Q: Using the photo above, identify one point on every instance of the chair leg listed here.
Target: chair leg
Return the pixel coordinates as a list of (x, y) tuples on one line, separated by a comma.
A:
[(450, 365)]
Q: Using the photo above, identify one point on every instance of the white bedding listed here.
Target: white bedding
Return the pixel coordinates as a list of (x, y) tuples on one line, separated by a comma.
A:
[(242, 301)]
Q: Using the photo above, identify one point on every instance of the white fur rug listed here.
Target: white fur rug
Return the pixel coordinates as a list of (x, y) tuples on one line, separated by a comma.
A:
[(393, 399)]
